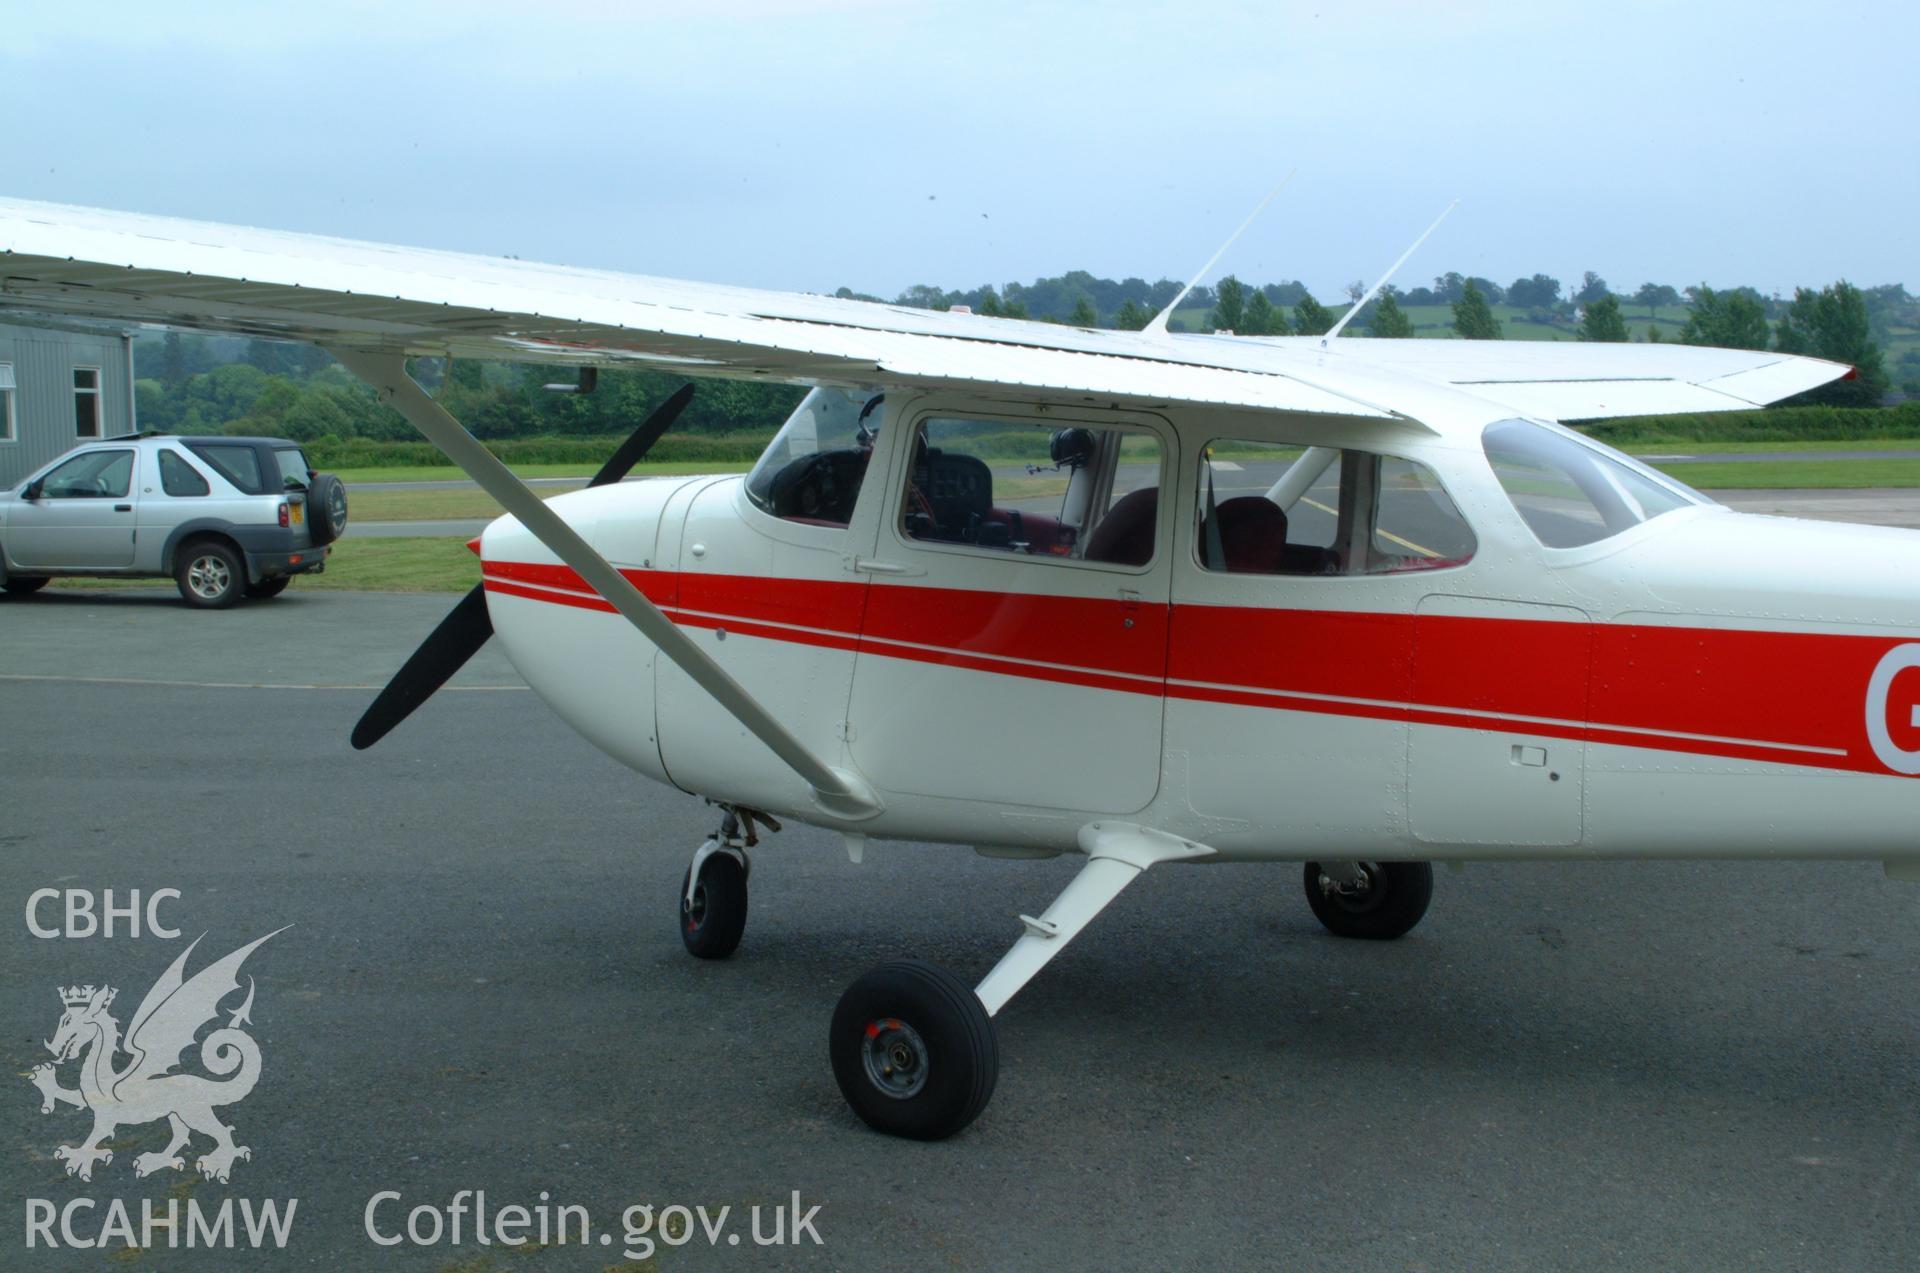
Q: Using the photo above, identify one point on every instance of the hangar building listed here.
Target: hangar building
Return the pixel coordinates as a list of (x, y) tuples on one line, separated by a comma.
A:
[(60, 385)]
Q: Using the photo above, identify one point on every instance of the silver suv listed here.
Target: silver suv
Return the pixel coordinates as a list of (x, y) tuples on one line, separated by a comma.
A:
[(224, 517)]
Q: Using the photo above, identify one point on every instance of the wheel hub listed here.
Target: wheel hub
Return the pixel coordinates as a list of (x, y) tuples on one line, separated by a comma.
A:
[(896, 1058), (208, 577), (1358, 895)]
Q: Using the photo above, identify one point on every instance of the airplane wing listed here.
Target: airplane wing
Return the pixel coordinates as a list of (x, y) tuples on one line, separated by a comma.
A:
[(1568, 380), (85, 262)]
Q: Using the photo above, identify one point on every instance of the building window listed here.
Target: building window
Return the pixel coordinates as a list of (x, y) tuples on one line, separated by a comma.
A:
[(86, 401), (6, 402)]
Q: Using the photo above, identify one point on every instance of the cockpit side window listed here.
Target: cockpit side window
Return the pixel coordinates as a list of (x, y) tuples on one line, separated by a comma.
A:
[(1570, 493), (1074, 494), (813, 469), (1271, 508)]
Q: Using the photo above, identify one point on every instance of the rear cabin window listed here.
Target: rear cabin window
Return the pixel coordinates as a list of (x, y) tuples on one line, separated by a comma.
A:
[(238, 464), (1570, 493), (813, 469), (177, 477), (1268, 508), (1076, 494)]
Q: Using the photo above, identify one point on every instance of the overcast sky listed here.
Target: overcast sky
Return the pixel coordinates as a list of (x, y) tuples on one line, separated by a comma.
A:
[(817, 143)]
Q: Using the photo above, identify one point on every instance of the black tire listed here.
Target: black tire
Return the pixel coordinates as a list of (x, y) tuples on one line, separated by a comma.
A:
[(269, 587), (914, 1050), (712, 925), (25, 585), (1394, 902), (210, 575), (326, 508)]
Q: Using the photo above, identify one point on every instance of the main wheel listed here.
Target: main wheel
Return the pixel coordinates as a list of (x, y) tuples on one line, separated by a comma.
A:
[(269, 587), (1392, 901), (914, 1050), (711, 924), (211, 575), (24, 585)]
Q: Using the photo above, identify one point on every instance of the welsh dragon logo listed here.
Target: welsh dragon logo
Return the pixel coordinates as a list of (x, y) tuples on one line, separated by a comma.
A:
[(147, 1088)]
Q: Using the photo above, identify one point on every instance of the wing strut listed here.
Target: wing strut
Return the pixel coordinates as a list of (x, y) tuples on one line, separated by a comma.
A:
[(837, 791)]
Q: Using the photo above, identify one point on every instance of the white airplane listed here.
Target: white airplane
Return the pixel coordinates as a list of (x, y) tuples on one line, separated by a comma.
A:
[(1361, 605)]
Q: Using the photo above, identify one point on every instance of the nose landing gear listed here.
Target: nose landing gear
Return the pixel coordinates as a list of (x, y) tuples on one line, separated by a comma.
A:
[(713, 893)]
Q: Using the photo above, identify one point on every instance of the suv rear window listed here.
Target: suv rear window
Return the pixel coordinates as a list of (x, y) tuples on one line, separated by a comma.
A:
[(294, 473), (238, 464)]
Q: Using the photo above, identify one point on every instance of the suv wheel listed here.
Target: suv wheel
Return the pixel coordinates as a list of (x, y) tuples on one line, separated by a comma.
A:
[(211, 575), (326, 508)]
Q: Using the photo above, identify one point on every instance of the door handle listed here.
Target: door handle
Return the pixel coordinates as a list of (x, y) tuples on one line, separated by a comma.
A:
[(123, 508), (873, 566)]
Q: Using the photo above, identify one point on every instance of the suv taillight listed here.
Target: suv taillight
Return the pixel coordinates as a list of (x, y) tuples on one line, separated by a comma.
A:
[(283, 514)]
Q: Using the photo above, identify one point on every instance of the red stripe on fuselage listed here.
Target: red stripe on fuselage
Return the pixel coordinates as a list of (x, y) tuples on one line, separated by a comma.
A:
[(1782, 697)]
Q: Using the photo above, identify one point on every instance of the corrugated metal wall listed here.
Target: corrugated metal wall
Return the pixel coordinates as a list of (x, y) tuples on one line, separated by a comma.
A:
[(43, 360)]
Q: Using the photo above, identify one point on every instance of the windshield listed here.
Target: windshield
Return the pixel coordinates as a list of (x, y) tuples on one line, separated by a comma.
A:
[(805, 472), (1571, 493)]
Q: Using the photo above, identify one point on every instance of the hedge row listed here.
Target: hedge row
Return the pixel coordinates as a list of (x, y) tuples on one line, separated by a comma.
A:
[(675, 448), (1773, 424)]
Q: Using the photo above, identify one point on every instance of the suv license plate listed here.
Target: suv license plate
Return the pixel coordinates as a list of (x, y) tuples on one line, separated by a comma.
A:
[(299, 512)]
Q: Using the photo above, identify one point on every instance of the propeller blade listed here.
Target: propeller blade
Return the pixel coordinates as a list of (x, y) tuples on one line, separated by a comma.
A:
[(621, 462), (464, 630), (467, 626)]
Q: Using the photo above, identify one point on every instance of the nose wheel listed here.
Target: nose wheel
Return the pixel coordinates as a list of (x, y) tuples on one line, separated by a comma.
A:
[(713, 906), (914, 1051)]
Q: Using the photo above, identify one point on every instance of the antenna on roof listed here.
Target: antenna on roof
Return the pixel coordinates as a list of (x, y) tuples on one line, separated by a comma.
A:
[(1159, 321), (1391, 271)]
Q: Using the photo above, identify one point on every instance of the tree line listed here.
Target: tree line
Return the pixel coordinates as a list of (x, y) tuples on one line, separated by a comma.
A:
[(1832, 323), (239, 386)]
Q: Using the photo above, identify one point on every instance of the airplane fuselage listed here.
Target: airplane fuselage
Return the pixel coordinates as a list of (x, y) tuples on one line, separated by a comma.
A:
[(1704, 683)]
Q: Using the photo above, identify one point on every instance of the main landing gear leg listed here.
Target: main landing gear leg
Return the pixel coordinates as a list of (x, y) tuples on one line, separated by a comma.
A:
[(914, 1050), (713, 895)]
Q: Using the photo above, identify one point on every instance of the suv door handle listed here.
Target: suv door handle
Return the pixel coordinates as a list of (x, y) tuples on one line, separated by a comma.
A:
[(123, 508)]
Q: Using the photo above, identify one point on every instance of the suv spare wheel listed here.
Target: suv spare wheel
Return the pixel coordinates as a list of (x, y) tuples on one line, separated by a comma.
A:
[(326, 508)]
